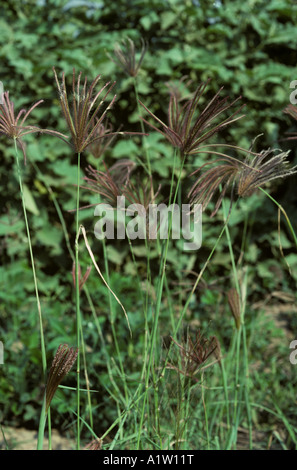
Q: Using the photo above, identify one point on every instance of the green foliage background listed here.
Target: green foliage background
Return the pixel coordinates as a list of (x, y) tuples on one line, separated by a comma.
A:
[(249, 48)]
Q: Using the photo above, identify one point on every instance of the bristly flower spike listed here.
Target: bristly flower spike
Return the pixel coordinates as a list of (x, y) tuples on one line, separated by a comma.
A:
[(125, 56), (246, 176), (292, 111), (235, 307), (223, 173), (84, 120), (13, 126), (185, 129), (262, 170), (194, 354), (111, 182), (106, 136), (61, 365)]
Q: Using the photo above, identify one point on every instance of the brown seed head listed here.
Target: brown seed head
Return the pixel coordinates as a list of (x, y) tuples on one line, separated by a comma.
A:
[(110, 183), (217, 352), (13, 125), (125, 56), (187, 128), (106, 136), (61, 365), (83, 115), (194, 354), (234, 304), (261, 170), (247, 176)]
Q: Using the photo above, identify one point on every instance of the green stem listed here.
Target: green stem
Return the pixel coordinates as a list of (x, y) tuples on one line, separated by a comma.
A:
[(225, 386), (242, 330), (161, 278), (42, 421), (77, 298), (235, 274), (238, 355), (205, 412), (85, 288), (112, 322), (43, 353), (149, 170), (246, 367), (284, 212), (201, 274), (42, 342)]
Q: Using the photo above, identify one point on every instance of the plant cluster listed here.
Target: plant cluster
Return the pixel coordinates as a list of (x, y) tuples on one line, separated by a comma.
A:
[(130, 360)]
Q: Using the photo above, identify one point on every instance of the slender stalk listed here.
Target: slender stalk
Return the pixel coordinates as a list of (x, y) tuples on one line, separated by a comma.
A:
[(246, 368), (4, 438), (238, 333), (49, 429), (43, 353), (146, 370), (205, 412), (243, 331), (77, 299), (235, 274), (225, 386), (112, 323), (150, 366), (42, 342), (284, 212), (187, 405), (149, 170), (42, 422), (201, 274), (86, 378)]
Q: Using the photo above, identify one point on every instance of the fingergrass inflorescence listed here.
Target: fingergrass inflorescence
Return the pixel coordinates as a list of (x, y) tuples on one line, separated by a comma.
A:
[(125, 56), (13, 125), (247, 176), (188, 127), (194, 354)]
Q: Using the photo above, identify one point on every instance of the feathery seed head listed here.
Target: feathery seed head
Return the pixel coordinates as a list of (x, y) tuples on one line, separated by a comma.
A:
[(194, 354), (82, 113), (247, 176), (13, 125), (187, 128), (125, 56), (61, 365)]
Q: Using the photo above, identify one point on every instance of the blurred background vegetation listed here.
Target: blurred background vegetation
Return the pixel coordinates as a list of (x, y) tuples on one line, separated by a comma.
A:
[(249, 48)]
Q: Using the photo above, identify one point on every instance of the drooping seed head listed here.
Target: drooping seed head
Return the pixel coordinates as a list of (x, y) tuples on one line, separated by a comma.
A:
[(247, 176)]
